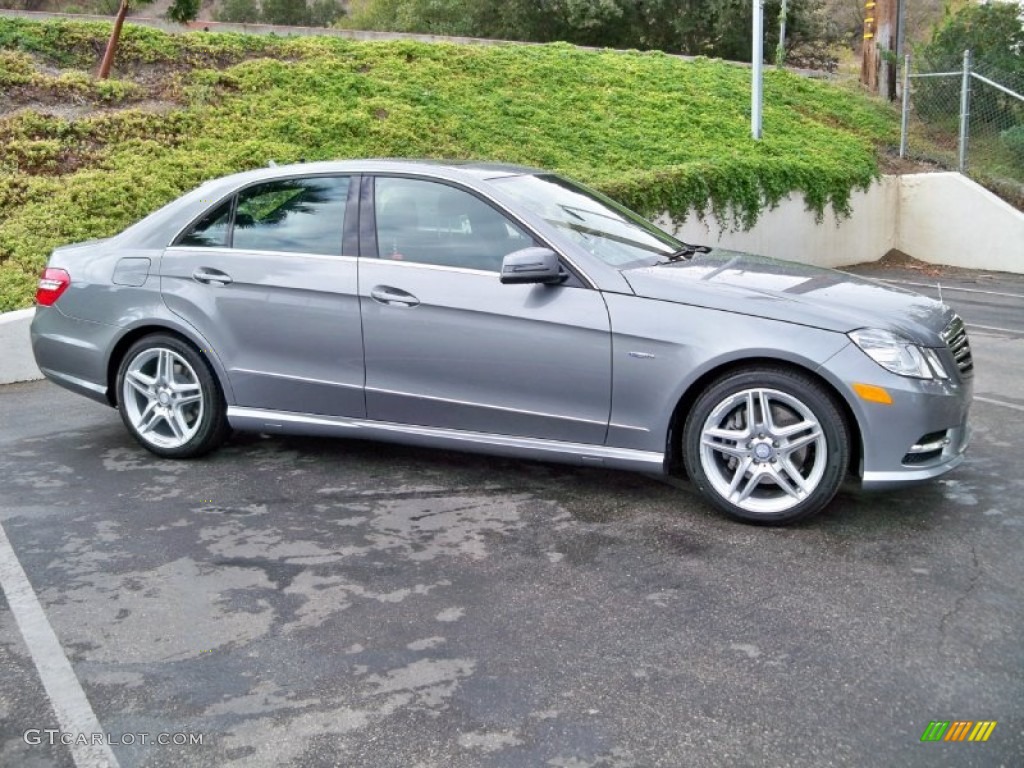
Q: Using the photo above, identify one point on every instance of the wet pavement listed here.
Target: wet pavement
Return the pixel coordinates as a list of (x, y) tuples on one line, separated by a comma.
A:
[(317, 603)]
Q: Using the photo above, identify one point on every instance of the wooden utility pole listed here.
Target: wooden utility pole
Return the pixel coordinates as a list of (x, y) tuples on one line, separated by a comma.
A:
[(115, 36), (879, 61)]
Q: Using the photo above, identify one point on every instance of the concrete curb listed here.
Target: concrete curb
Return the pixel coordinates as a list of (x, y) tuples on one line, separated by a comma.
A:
[(17, 362)]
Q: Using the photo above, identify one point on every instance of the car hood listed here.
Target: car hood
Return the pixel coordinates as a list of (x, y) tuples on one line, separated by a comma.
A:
[(792, 292)]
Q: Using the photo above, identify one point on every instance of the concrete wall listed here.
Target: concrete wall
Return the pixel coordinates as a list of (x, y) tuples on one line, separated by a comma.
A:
[(941, 218), (16, 360), (789, 231), (945, 218)]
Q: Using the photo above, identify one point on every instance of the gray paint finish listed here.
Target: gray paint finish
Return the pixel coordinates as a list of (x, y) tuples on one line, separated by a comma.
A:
[(581, 371)]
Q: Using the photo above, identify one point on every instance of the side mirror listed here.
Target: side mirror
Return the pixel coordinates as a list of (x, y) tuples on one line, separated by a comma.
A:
[(532, 265)]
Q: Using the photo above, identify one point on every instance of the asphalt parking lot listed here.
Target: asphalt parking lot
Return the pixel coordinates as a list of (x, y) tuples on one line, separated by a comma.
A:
[(300, 602)]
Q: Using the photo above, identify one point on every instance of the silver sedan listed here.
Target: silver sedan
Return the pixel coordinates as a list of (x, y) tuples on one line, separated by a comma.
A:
[(503, 310)]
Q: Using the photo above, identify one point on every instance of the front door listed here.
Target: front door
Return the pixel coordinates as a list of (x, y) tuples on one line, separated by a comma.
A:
[(447, 345)]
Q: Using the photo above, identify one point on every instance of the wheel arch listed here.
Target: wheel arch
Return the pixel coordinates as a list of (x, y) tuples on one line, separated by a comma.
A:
[(673, 447), (124, 343)]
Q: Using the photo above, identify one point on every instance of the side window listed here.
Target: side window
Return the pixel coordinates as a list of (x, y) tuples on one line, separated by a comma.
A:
[(294, 215), (433, 223), (211, 231)]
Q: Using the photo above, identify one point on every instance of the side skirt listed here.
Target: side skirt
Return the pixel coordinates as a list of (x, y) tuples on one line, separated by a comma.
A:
[(278, 422)]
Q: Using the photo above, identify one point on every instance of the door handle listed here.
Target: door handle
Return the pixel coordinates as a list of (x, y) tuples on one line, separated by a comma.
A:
[(394, 297), (208, 276)]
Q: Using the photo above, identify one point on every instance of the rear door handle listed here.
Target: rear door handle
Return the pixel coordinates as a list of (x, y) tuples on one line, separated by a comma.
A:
[(395, 297), (209, 276)]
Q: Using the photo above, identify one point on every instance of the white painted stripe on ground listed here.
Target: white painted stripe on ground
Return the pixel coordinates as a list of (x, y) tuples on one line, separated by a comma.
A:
[(995, 329), (948, 287), (74, 713), (992, 401)]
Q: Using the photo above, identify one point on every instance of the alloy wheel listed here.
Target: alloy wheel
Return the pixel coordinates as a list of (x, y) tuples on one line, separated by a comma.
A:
[(763, 450), (163, 397)]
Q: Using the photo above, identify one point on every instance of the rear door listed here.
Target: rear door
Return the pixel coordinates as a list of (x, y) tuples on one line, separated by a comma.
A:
[(268, 277), (448, 345)]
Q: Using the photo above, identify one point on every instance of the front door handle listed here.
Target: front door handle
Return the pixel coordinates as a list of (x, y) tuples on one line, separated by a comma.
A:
[(394, 297), (209, 276)]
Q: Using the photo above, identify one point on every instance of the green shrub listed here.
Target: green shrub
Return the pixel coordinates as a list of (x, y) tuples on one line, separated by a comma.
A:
[(1013, 140), (656, 132)]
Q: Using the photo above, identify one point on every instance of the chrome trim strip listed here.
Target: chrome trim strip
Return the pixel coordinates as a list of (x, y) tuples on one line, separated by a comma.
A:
[(936, 445), (222, 249), (99, 389), (256, 419), (427, 265), (627, 426), (876, 481), (482, 405), (297, 378)]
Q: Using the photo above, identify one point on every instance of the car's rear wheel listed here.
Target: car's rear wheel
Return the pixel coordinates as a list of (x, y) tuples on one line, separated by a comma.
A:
[(766, 445), (169, 398)]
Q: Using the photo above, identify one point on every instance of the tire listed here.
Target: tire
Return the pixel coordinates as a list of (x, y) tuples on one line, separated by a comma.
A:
[(772, 471), (169, 398)]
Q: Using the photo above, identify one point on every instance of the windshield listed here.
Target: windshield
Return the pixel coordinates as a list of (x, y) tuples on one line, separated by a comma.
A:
[(607, 230)]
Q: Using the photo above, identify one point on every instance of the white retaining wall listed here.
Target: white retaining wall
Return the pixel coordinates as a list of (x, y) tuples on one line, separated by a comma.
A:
[(16, 360), (941, 218)]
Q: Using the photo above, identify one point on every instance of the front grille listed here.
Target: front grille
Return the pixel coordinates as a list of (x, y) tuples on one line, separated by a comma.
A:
[(956, 339)]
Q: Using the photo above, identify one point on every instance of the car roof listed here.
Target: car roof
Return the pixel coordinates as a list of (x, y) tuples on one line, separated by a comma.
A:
[(451, 169)]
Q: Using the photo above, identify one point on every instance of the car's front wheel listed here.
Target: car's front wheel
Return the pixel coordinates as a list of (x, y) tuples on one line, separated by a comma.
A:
[(169, 398), (766, 445)]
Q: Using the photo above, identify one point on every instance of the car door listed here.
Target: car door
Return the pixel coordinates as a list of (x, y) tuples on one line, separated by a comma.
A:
[(448, 345), (264, 277)]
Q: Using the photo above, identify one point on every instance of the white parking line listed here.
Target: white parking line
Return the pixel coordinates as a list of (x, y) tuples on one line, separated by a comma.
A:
[(991, 401), (946, 287), (996, 329), (74, 713)]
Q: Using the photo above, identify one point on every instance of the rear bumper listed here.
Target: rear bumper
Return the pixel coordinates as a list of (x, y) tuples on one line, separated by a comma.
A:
[(72, 352)]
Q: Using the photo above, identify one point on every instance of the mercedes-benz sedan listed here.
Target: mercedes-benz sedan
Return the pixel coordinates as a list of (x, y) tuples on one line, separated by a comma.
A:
[(503, 310)]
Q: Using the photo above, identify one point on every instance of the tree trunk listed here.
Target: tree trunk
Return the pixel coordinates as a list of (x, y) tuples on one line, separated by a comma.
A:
[(115, 36)]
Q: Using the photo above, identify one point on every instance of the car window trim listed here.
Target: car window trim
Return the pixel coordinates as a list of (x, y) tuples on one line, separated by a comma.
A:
[(235, 193), (230, 197), (368, 221), (367, 217), (350, 226), (225, 250)]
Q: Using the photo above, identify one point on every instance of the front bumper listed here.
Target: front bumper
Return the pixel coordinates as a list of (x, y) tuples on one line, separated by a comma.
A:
[(952, 456), (924, 432)]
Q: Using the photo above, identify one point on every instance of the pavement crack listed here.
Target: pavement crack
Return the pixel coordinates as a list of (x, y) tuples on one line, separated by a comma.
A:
[(961, 599)]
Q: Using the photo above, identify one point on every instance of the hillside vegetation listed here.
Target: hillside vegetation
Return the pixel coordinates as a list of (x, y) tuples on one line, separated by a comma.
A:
[(82, 159)]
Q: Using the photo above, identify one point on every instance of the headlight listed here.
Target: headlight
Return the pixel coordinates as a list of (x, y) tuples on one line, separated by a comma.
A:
[(899, 355)]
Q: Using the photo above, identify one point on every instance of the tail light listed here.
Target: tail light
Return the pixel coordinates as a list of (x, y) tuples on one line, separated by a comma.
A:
[(51, 285)]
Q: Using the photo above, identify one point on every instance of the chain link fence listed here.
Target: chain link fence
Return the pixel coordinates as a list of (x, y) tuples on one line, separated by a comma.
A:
[(970, 119)]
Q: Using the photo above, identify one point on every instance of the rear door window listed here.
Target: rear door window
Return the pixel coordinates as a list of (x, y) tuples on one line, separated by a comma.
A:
[(290, 215)]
